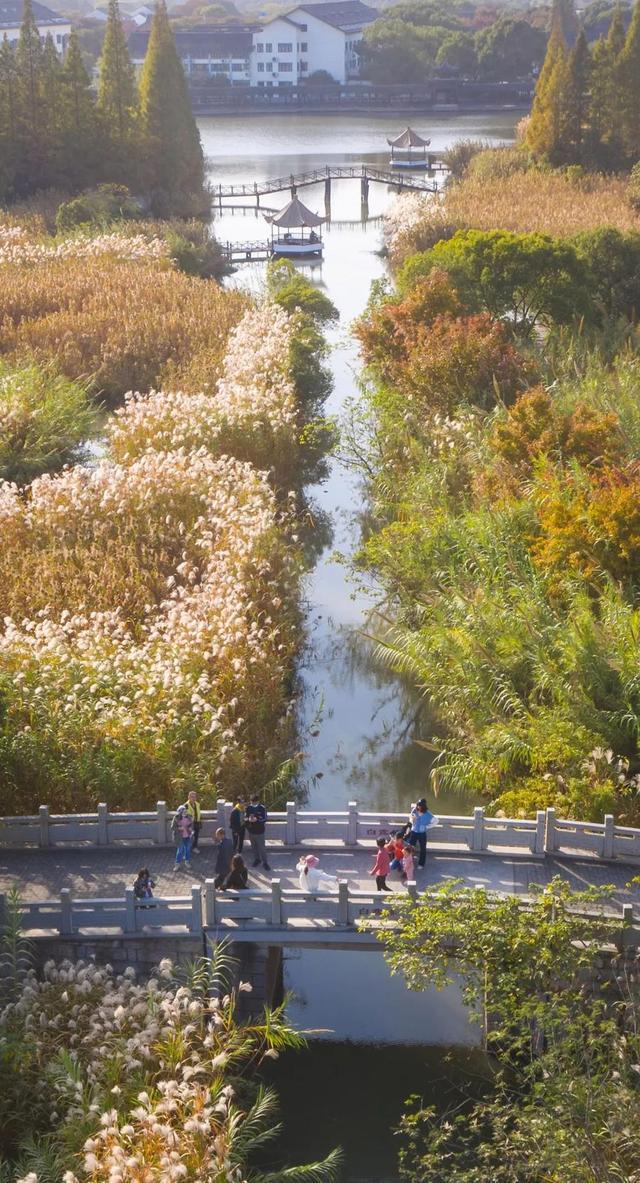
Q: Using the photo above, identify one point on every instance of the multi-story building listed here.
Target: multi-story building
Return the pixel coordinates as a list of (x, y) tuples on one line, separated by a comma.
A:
[(312, 37), (48, 22), (206, 51)]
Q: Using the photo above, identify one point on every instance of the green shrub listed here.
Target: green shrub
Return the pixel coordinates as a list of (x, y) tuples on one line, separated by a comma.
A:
[(97, 208), (45, 421)]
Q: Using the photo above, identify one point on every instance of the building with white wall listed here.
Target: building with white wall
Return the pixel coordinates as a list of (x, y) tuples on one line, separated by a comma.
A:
[(312, 37), (48, 22)]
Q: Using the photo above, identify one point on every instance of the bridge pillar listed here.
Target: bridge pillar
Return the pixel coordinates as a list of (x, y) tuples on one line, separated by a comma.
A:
[(412, 891), (103, 821), (130, 907), (195, 924), (478, 828), (550, 832), (364, 188), (327, 191), (66, 918), (210, 903), (292, 828), (161, 823), (343, 903), (43, 816), (608, 836), (276, 902), (352, 824), (540, 828), (220, 812)]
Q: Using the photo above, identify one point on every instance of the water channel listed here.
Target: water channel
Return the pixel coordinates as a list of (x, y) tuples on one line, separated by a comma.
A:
[(375, 1044)]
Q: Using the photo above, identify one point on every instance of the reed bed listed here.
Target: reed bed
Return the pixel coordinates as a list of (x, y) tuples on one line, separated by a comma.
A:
[(120, 323), (546, 202)]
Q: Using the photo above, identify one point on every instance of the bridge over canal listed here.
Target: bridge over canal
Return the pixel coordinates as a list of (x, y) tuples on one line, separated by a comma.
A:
[(74, 872)]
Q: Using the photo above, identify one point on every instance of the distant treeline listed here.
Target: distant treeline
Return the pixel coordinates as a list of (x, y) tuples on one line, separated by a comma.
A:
[(419, 39)]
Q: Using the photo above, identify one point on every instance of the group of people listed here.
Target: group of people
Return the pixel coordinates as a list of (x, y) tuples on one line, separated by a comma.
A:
[(396, 853)]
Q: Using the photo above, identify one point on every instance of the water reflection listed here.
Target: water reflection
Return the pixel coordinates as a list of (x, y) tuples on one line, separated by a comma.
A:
[(365, 748)]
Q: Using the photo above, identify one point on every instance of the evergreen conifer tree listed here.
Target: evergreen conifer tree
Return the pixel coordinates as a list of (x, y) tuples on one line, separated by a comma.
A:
[(31, 161), (50, 126), (79, 140), (172, 151), (629, 90), (576, 134), (546, 121), (9, 141), (605, 94), (118, 103)]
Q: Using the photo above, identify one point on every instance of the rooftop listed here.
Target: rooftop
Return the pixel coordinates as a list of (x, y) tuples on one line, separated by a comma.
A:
[(215, 41), (11, 13), (342, 14)]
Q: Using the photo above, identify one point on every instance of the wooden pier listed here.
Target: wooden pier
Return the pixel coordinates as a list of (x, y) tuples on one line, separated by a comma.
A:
[(247, 252), (365, 173)]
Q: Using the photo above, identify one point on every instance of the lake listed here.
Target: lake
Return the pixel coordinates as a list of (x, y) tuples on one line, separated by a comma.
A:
[(383, 1043)]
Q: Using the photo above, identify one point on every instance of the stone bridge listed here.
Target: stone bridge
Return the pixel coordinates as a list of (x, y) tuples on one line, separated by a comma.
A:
[(74, 872)]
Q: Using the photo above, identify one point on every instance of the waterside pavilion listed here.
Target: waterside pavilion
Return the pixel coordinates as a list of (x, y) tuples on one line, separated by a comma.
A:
[(409, 150)]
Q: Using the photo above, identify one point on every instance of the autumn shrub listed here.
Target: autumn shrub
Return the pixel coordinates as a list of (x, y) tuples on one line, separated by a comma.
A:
[(536, 426), (121, 325), (45, 421), (387, 331), (459, 360), (590, 523)]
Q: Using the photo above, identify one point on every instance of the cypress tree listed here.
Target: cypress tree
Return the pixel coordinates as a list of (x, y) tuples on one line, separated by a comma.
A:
[(31, 159), (545, 123), (78, 119), (9, 142), (172, 151), (576, 134), (605, 94), (629, 96), (118, 102), (50, 126)]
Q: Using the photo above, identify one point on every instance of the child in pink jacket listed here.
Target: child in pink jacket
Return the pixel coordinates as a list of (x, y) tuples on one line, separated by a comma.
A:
[(381, 866)]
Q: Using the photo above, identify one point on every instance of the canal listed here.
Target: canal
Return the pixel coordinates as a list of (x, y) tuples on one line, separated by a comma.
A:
[(373, 1043)]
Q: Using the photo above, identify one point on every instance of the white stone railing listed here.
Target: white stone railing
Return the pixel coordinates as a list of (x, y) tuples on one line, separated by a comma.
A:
[(227, 914), (477, 834)]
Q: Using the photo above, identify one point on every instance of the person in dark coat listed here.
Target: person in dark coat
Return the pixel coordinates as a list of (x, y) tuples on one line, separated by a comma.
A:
[(224, 853), (238, 876)]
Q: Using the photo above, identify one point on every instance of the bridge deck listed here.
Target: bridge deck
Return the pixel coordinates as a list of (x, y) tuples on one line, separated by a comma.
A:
[(362, 172), (106, 872)]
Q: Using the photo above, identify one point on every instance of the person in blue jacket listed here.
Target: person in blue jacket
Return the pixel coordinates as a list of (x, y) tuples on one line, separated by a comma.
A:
[(421, 819)]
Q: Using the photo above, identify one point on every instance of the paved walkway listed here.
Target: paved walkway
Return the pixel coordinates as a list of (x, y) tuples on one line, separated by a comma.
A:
[(105, 872)]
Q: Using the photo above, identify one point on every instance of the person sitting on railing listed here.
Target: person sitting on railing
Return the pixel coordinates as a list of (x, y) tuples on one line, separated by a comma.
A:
[(310, 877), (143, 885), (237, 878)]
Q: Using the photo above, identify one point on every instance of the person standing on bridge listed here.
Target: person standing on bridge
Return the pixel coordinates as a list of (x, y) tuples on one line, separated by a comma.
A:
[(382, 864), (182, 829), (256, 822), (236, 822), (194, 809), (421, 819)]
